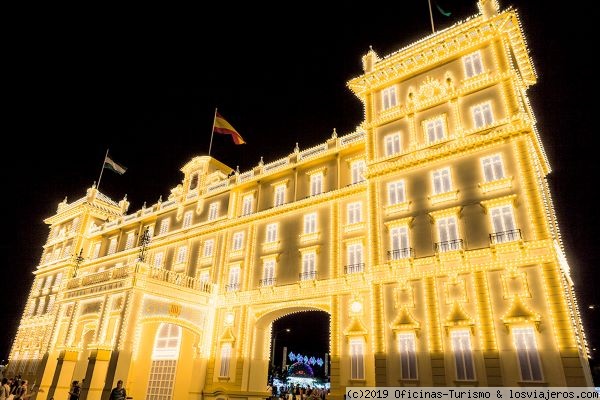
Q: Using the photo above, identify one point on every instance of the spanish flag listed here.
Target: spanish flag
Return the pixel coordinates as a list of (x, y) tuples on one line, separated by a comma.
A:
[(224, 128)]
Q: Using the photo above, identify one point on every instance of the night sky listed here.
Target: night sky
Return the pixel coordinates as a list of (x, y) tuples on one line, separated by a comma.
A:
[(144, 82)]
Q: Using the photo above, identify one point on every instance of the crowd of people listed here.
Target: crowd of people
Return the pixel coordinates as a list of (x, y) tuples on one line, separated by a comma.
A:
[(14, 388), (17, 388), (297, 392)]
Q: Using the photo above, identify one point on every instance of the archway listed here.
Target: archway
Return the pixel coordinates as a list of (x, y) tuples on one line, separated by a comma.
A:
[(268, 331), (300, 350), (165, 360)]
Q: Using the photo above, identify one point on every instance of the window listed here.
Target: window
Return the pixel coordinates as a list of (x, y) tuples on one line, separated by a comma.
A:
[(238, 241), (492, 168), (473, 65), (316, 183), (213, 211), (527, 354), (209, 246), (181, 255), (396, 194), (503, 224), (392, 144), (48, 282), (225, 359), (279, 195), (388, 98), (482, 115), (40, 306), (310, 223), (164, 226), (355, 258), (112, 246), (234, 279), (463, 357), (271, 233), (354, 213), (159, 259), (187, 219), (268, 273), (51, 301), (247, 204), (358, 171), (400, 243), (435, 129), (204, 277), (441, 181), (408, 356), (309, 266), (58, 279), (130, 239), (448, 234), (357, 367), (75, 224), (164, 362), (67, 251), (194, 182), (150, 231)]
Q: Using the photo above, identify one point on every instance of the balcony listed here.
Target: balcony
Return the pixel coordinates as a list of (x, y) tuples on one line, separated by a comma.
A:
[(307, 276), (232, 287), (398, 254), (506, 236), (138, 270), (354, 268), (449, 245), (268, 282)]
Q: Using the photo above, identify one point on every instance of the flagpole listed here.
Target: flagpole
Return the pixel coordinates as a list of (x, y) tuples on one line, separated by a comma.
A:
[(212, 133), (102, 170), (431, 17)]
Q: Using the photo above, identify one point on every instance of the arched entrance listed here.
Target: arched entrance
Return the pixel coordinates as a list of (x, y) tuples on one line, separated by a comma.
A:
[(300, 350), (263, 341), (165, 362)]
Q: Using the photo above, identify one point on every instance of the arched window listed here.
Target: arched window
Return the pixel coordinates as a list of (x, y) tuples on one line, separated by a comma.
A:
[(164, 362), (194, 182)]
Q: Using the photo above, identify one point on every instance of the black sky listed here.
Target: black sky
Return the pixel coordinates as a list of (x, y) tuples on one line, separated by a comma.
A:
[(144, 82)]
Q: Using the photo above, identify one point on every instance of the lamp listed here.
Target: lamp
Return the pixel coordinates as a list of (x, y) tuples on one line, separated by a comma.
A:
[(274, 342)]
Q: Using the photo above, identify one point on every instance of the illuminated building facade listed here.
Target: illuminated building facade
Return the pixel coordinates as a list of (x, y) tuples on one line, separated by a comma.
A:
[(428, 235)]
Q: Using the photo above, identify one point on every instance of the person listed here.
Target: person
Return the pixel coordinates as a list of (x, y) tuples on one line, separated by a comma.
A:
[(118, 393), (75, 391), (22, 391), (4, 389)]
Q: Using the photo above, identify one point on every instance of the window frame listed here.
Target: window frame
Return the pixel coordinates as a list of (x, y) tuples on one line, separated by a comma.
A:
[(438, 125), (473, 61), (187, 219), (357, 359), (408, 356), (463, 361), (441, 180), (389, 98), (493, 163), (354, 213), (392, 144)]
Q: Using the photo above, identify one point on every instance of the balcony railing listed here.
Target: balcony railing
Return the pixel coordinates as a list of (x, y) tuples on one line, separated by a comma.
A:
[(307, 276), (232, 287), (139, 270), (354, 268), (449, 245), (268, 282), (398, 254), (506, 236)]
